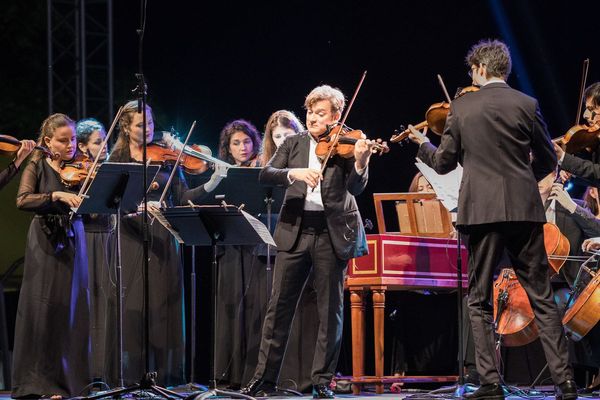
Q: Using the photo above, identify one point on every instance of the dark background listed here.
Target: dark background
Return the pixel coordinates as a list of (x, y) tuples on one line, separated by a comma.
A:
[(218, 61)]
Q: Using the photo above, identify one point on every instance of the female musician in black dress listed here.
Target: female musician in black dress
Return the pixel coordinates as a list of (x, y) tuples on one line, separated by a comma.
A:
[(239, 145), (52, 326), (165, 273), (99, 233)]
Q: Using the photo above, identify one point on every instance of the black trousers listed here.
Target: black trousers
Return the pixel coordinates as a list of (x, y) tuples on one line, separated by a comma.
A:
[(524, 243), (292, 268)]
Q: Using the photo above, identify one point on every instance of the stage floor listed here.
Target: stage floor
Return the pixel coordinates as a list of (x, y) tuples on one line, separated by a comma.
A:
[(546, 394)]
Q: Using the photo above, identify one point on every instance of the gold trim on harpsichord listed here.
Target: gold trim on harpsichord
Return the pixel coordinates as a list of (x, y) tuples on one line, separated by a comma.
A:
[(375, 261), (388, 242)]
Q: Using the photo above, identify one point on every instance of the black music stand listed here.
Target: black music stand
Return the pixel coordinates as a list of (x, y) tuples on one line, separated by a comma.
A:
[(117, 189), (215, 226), (241, 186)]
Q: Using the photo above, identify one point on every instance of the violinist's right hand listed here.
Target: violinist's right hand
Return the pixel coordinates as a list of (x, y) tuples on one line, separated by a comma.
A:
[(70, 199), (310, 176), (590, 245), (564, 176), (216, 177)]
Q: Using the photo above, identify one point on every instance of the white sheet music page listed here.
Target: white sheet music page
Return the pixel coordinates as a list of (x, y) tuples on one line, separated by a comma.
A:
[(260, 229), (445, 186)]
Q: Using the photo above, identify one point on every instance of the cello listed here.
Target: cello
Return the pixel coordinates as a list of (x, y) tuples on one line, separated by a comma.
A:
[(584, 313), (514, 320)]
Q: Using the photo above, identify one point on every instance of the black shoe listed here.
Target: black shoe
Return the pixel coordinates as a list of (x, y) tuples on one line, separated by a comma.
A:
[(322, 392), (257, 386), (472, 377), (492, 391), (566, 390)]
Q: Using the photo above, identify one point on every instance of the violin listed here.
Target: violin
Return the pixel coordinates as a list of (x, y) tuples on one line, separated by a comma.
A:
[(160, 152), (76, 170), (579, 138), (513, 316), (344, 145), (435, 117), (10, 145)]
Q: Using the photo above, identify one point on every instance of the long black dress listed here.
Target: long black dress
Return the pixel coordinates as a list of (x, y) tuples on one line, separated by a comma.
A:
[(100, 238), (165, 276), (51, 349)]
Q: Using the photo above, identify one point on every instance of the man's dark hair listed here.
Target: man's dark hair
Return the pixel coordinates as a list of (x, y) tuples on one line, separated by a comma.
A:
[(593, 92), (494, 54)]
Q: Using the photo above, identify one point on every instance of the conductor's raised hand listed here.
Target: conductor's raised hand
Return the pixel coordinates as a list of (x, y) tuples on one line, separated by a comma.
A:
[(310, 176)]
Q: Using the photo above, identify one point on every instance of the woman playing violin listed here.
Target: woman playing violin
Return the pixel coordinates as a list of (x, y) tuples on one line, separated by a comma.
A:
[(99, 233), (585, 169), (52, 326), (7, 174), (166, 336)]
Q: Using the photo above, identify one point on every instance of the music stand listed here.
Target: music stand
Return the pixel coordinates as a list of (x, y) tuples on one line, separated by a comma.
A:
[(117, 189), (215, 226), (257, 198)]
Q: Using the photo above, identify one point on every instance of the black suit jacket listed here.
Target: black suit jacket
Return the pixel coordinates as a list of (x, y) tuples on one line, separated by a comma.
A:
[(501, 140), (340, 184)]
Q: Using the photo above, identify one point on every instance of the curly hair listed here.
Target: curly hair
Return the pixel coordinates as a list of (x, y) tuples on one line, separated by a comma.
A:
[(326, 92), (494, 54), (592, 92), (86, 127), (283, 118), (239, 125), (49, 126), (120, 151)]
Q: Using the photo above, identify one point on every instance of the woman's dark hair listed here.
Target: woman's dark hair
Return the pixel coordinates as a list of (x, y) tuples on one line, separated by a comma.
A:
[(239, 125), (86, 127)]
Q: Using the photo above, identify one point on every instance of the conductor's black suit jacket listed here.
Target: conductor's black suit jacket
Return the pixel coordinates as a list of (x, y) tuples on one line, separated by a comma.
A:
[(501, 140), (340, 184)]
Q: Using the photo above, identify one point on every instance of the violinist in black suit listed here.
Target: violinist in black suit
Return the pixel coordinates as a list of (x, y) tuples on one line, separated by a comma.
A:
[(7, 174), (319, 227), (588, 170), (500, 138)]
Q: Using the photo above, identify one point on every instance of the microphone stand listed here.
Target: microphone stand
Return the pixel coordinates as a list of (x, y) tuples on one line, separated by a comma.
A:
[(148, 380)]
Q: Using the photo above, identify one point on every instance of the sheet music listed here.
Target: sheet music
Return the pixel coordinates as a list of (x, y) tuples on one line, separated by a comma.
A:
[(260, 228), (445, 186)]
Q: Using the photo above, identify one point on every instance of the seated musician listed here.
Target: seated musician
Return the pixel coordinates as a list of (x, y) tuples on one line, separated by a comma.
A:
[(577, 220)]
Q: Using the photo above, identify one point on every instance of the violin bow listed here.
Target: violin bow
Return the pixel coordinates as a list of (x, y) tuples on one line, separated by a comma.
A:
[(343, 123), (164, 193), (441, 81), (85, 187), (586, 65)]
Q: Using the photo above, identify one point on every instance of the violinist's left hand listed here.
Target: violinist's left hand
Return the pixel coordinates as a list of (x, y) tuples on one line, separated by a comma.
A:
[(417, 137), (559, 194), (560, 153), (362, 152)]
